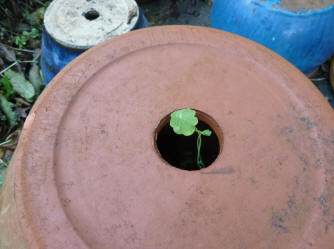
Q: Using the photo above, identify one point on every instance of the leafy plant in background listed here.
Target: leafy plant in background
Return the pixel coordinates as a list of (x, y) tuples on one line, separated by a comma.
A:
[(21, 40), (184, 123), (20, 76), (15, 91), (3, 167), (14, 84)]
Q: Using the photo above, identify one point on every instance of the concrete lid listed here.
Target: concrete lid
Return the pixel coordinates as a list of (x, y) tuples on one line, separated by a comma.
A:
[(86, 173), (82, 24)]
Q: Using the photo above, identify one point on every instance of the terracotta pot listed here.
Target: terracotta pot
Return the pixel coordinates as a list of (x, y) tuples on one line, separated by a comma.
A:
[(87, 173)]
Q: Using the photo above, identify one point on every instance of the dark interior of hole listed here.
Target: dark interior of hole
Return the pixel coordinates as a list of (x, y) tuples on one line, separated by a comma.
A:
[(181, 151), (92, 14)]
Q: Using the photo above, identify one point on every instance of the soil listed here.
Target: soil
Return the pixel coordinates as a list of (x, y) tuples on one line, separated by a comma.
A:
[(307, 4)]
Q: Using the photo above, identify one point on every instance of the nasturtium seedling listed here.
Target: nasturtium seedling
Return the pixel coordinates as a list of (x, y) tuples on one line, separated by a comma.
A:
[(184, 123)]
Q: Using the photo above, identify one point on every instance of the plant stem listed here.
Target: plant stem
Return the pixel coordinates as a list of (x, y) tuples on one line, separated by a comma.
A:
[(5, 143), (2, 162), (200, 163), (9, 67), (17, 63), (23, 50)]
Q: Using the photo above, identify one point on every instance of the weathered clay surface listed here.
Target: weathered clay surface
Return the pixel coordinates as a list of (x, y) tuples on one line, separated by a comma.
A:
[(86, 173)]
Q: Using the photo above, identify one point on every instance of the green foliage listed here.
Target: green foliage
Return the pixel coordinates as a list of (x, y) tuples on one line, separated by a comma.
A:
[(206, 133), (7, 108), (7, 87), (21, 40), (13, 85), (2, 34), (35, 78), (184, 123), (20, 85), (2, 175), (3, 167)]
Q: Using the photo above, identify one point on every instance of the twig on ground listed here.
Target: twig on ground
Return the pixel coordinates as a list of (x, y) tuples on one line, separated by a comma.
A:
[(17, 63), (23, 50), (9, 67), (22, 101), (5, 143), (2, 162), (318, 79)]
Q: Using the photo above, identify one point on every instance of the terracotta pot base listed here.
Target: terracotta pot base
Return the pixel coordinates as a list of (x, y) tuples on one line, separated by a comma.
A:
[(86, 173)]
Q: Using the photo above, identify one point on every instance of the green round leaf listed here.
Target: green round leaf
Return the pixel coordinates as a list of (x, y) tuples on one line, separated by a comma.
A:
[(206, 133), (183, 122)]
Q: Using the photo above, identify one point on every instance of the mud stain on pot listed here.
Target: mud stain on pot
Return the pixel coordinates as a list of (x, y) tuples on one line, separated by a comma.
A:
[(252, 180), (308, 123), (293, 206), (323, 202), (329, 225), (286, 130), (282, 219), (278, 221)]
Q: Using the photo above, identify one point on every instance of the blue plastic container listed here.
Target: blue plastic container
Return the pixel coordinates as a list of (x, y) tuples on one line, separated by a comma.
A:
[(56, 56), (305, 38)]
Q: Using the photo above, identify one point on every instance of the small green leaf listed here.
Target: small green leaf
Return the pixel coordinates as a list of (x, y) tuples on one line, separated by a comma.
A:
[(7, 108), (20, 85), (7, 86), (34, 33), (2, 175), (184, 122), (206, 133), (7, 53), (35, 78)]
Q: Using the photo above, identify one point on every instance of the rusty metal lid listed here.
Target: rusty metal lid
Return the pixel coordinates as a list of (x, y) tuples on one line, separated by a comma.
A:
[(88, 174), (82, 24)]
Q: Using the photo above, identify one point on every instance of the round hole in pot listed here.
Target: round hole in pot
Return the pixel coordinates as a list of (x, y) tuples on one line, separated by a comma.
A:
[(181, 151), (91, 14)]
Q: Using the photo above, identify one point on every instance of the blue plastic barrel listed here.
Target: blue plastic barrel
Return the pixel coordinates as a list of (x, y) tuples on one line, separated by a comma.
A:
[(56, 55), (304, 37)]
